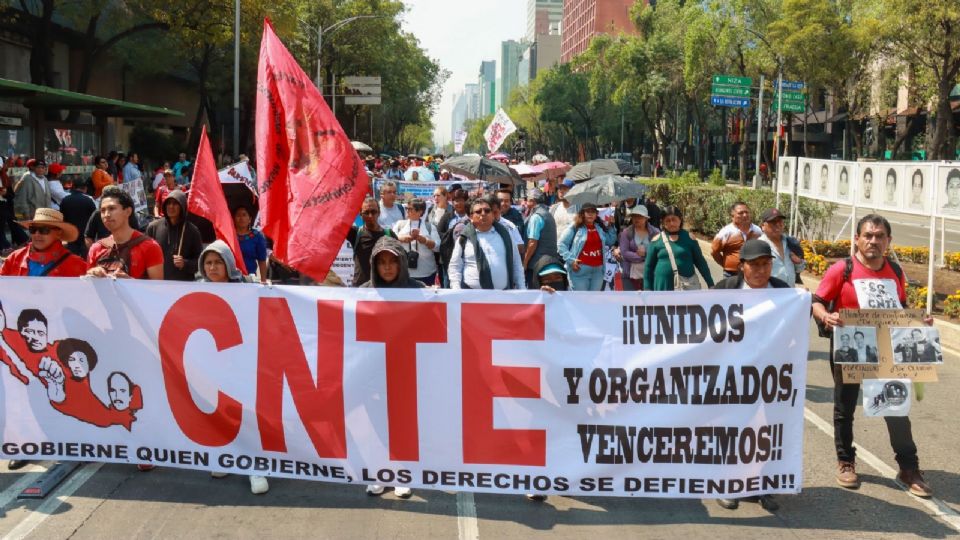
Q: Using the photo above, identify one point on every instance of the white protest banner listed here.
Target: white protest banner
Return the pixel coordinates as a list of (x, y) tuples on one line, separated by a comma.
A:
[(688, 394), (458, 140), (424, 190), (343, 264), (499, 129), (238, 173)]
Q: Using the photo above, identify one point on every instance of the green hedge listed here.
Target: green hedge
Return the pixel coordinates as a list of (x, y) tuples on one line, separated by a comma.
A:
[(706, 206)]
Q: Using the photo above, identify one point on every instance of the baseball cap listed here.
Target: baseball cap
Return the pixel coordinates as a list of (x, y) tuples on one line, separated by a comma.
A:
[(56, 168), (587, 207), (534, 194), (552, 268), (771, 214), (755, 249), (639, 210), (568, 183)]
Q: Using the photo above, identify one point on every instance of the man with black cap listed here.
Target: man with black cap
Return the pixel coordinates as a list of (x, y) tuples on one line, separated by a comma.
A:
[(787, 253), (563, 212), (756, 265), (756, 262), (31, 191)]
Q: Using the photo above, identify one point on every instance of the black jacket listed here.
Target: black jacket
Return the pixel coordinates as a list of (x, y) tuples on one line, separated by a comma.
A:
[(736, 282), (168, 236)]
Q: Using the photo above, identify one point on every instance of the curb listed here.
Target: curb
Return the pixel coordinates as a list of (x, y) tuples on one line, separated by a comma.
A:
[(949, 332)]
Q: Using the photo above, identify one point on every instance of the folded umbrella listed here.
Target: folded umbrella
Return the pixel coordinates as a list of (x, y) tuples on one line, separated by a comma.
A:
[(604, 190)]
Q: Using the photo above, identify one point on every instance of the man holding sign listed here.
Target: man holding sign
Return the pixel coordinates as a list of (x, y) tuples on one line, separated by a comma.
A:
[(868, 280)]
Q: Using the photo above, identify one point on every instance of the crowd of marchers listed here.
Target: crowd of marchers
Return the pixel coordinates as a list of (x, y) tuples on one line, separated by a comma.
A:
[(461, 240)]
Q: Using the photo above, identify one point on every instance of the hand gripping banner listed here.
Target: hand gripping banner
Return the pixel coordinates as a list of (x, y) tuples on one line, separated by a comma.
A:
[(689, 394)]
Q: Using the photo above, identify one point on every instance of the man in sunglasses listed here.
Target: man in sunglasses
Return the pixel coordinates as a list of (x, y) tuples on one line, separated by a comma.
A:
[(363, 239), (46, 255), (485, 256)]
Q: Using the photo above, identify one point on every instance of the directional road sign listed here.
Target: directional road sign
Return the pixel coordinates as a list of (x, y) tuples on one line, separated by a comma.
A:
[(793, 96), (791, 106), (792, 85), (721, 101), (732, 80), (732, 91)]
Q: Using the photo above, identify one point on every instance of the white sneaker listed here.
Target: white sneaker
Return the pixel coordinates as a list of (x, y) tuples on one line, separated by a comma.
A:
[(374, 490), (218, 474), (403, 492), (258, 485)]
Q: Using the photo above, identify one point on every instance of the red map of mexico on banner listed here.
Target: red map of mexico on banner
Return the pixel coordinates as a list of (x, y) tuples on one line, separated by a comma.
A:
[(310, 179), (691, 394)]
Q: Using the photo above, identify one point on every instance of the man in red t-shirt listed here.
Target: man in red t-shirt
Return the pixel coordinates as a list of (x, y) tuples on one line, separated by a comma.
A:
[(873, 283), (126, 253)]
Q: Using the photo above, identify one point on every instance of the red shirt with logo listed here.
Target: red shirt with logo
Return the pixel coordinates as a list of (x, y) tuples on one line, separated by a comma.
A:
[(144, 255), (592, 253), (880, 289)]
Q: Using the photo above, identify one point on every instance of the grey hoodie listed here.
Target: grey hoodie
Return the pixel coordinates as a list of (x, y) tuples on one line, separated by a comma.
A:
[(223, 250), (403, 281)]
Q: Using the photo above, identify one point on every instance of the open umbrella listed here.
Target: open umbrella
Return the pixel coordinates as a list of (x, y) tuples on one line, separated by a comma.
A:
[(525, 170), (600, 167), (604, 190), (480, 168), (360, 147), (425, 174)]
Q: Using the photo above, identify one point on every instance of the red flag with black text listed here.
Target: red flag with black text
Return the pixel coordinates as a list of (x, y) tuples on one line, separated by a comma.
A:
[(311, 180), (206, 199)]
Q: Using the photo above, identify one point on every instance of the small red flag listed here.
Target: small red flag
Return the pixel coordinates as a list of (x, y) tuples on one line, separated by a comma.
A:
[(206, 199), (311, 180)]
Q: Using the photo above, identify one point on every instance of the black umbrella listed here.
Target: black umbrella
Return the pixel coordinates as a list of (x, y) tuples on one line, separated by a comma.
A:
[(604, 190), (599, 167), (480, 168)]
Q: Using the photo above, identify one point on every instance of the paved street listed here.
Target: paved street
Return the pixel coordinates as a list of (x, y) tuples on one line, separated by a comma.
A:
[(910, 230), (114, 501)]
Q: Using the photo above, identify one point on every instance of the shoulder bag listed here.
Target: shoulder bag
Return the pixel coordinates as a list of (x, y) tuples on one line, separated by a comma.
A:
[(680, 283)]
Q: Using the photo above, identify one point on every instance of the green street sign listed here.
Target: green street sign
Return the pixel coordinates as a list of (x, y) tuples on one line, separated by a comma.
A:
[(791, 106), (728, 90), (793, 96), (731, 80)]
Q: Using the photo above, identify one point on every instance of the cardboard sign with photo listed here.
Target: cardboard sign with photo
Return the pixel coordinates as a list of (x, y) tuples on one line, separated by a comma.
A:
[(884, 322), (916, 345), (948, 191), (855, 345), (887, 397), (918, 195)]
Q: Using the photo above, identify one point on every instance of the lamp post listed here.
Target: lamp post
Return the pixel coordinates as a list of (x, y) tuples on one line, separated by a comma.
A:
[(236, 80), (333, 28)]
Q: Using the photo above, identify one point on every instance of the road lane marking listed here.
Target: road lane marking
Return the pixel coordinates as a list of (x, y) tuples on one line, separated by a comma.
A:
[(467, 517), (935, 505), (53, 502)]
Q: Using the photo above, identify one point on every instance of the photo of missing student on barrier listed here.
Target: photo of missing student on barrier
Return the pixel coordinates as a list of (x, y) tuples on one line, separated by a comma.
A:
[(855, 345), (899, 324)]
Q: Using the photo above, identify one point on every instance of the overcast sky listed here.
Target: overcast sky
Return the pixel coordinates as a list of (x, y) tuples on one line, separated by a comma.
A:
[(459, 34)]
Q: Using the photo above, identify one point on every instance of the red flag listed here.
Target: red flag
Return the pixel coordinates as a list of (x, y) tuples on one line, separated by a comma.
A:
[(206, 199), (311, 180)]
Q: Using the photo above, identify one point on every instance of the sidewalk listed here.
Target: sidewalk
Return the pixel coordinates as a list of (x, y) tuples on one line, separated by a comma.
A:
[(949, 332)]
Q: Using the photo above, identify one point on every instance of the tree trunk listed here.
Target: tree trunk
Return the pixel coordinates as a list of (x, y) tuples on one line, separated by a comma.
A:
[(942, 145)]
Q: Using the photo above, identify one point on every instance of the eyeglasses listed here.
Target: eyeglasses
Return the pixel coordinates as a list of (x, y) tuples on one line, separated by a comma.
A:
[(369, 212), (386, 192), (480, 211), (40, 230)]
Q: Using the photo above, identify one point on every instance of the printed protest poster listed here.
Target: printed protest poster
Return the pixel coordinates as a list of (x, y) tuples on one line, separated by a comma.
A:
[(805, 182), (343, 264), (499, 129), (137, 193), (920, 188), (948, 191), (695, 394), (886, 397), (916, 345), (866, 195), (844, 177), (788, 167), (885, 321), (892, 188)]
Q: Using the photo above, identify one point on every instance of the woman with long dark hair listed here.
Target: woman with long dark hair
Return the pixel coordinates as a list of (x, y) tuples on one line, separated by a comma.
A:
[(674, 257)]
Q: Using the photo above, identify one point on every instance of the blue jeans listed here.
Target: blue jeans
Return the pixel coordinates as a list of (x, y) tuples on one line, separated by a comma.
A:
[(589, 278)]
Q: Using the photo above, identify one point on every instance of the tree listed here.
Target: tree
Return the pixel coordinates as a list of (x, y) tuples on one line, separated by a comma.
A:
[(924, 36)]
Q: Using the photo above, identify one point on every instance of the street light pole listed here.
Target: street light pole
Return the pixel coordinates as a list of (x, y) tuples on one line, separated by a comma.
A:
[(756, 174), (236, 80), (333, 28)]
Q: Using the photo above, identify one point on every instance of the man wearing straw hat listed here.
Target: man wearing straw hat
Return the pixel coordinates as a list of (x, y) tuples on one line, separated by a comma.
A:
[(46, 255)]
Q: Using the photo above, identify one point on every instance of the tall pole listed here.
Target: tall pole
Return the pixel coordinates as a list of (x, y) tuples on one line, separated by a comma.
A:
[(621, 131), (779, 111), (756, 174), (236, 80), (319, 56)]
